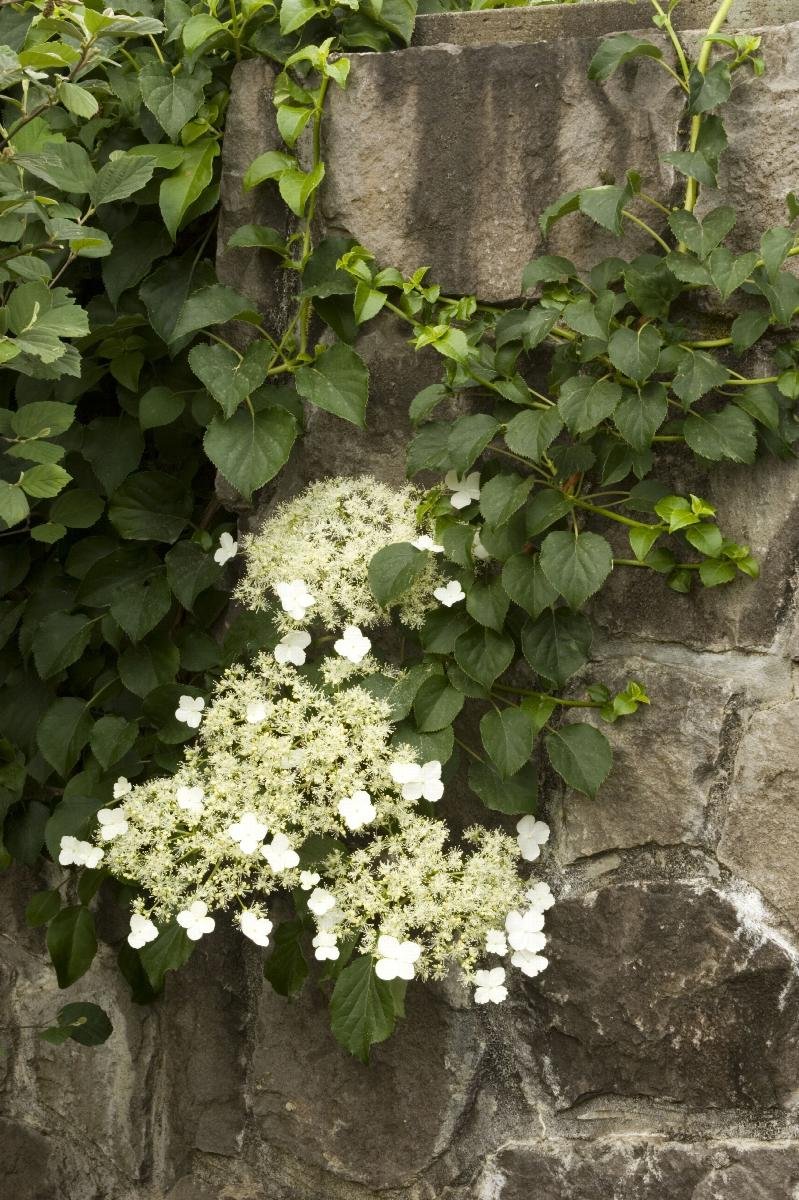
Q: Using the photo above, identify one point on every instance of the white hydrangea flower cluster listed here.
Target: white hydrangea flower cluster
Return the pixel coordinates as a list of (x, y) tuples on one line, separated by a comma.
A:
[(228, 830), (343, 523)]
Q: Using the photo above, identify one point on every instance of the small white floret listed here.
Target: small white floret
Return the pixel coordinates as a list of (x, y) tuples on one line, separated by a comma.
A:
[(451, 594), (73, 852), (291, 648), (353, 645), (280, 854), (112, 823), (532, 835), (190, 710), (190, 799), (249, 832), (464, 490), (255, 712), (478, 549), (324, 945), (496, 942), (530, 964), (540, 897), (295, 599), (195, 920), (142, 931), (357, 810), (395, 959), (425, 542), (490, 986), (122, 787), (321, 901), (308, 880), (228, 548), (255, 927), (524, 930), (419, 782)]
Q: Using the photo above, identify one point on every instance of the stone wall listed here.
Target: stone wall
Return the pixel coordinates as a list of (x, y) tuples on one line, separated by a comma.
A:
[(657, 1057)]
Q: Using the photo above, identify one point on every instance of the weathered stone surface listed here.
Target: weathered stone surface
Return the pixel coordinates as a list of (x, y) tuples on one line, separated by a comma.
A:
[(757, 506), (667, 761), (760, 838), (640, 1169), (661, 990)]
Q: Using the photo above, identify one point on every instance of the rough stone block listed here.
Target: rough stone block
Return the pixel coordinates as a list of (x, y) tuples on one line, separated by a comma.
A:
[(760, 837), (663, 990)]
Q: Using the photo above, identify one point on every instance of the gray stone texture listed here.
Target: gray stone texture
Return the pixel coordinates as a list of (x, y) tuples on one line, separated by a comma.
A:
[(657, 1056)]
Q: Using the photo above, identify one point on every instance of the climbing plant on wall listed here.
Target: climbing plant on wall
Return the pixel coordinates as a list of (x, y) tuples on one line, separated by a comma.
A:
[(124, 390)]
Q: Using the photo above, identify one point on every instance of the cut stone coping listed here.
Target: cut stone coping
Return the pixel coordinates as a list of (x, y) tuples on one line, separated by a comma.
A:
[(592, 18)]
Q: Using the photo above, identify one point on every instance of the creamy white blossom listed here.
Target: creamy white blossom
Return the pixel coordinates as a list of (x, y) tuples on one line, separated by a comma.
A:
[(142, 931), (540, 897), (309, 880), (294, 597), (280, 854), (395, 959), (464, 490), (74, 852), (330, 919), (190, 799), (478, 549), (291, 648), (496, 942), (531, 964), (532, 835), (325, 947), (227, 549), (248, 832), (524, 930), (195, 920), (357, 810), (490, 986), (190, 710), (122, 787), (352, 645), (112, 823), (327, 536), (321, 901), (451, 594), (418, 782), (425, 542), (255, 927), (255, 712)]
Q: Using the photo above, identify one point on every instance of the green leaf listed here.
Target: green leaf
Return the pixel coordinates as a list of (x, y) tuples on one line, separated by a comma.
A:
[(774, 247), (63, 732), (729, 433), (640, 413), (141, 606), (64, 165), (545, 508), (149, 665), (705, 537), (168, 952), (213, 305), (604, 205), (84, 1023), (436, 704), (550, 268), (24, 830), (14, 506), (585, 402), (150, 506), (709, 90), (503, 495), (442, 628), (77, 509), (576, 564), (748, 328), (635, 352), (727, 271), (42, 418), (484, 654), (468, 439), (613, 51), (190, 570), (230, 378), (581, 755), (267, 166), (199, 29), (487, 602), (508, 739), (761, 404), (526, 584), (286, 968), (694, 164), (44, 480), (42, 907), (251, 447), (59, 642), (159, 406), (172, 99), (111, 738), (703, 236), (77, 100), (712, 572), (557, 644), (338, 382), (72, 944), (529, 326), (296, 13), (362, 1008), (70, 817), (120, 178), (532, 432), (184, 186), (259, 237), (392, 571), (516, 795), (697, 374)]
